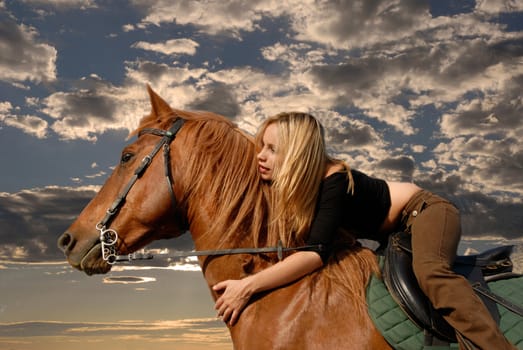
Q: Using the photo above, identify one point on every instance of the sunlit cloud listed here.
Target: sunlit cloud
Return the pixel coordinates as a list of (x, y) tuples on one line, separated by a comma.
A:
[(184, 333), (170, 47), (498, 6), (404, 95), (29, 124), (127, 280), (63, 5), (40, 214), (413, 91), (162, 261), (24, 55), (93, 176), (224, 17)]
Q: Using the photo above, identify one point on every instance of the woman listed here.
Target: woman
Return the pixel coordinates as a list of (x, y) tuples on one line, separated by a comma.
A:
[(293, 159)]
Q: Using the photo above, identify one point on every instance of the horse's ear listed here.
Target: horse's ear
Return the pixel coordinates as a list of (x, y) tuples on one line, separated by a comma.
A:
[(159, 106)]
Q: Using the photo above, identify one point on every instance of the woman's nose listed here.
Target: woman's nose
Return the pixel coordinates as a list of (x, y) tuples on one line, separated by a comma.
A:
[(260, 155)]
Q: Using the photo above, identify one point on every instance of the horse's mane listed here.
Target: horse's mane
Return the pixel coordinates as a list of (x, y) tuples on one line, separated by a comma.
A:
[(223, 164), (349, 269)]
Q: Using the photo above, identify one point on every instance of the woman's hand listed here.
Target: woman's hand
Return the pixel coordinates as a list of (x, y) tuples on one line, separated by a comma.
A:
[(235, 296), (236, 293)]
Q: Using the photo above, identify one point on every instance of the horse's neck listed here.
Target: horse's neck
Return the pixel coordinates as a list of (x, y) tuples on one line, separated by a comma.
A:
[(216, 268)]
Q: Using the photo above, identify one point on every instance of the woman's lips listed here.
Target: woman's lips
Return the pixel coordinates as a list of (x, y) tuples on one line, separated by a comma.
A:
[(263, 169)]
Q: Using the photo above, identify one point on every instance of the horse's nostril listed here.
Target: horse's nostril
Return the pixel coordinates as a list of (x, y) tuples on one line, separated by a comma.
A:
[(66, 242)]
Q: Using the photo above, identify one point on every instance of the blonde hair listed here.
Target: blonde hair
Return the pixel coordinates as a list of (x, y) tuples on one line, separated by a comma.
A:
[(297, 175)]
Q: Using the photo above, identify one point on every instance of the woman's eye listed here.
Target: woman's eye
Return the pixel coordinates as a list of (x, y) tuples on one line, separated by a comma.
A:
[(126, 157)]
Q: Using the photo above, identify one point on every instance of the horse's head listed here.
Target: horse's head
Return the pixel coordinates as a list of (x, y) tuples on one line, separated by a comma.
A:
[(209, 164), (136, 202)]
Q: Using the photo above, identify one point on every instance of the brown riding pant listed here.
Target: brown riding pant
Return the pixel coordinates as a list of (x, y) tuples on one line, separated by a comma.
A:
[(436, 230)]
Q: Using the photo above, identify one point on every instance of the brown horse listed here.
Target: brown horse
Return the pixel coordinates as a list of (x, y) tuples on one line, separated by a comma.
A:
[(217, 194)]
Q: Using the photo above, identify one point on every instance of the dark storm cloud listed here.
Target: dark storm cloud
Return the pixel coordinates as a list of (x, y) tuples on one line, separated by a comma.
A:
[(481, 214), (476, 55), (492, 161), (152, 71), (352, 76), (22, 57), (354, 133), (445, 63), (77, 108), (11, 36), (32, 220), (501, 115), (439, 182), (352, 18), (505, 169), (219, 99), (405, 165)]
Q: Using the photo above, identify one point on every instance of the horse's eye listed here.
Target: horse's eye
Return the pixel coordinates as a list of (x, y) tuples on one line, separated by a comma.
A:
[(126, 157)]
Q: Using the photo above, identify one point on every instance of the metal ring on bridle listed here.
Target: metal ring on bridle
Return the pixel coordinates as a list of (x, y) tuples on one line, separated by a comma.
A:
[(108, 237)]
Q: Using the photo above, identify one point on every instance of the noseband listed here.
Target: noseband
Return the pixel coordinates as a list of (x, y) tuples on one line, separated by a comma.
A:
[(109, 237)]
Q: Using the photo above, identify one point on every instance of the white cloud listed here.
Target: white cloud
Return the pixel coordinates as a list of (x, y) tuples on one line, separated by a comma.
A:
[(5, 107), (170, 47), (418, 148), (128, 280), (213, 17), (96, 175), (12, 251), (22, 57), (498, 6), (353, 24), (197, 333), (63, 4), (128, 28), (484, 164), (384, 63), (29, 124)]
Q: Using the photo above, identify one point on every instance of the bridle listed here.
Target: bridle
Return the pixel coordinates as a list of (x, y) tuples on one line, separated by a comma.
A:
[(109, 236)]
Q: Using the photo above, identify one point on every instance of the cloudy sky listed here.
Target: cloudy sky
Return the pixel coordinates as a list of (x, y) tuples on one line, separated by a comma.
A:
[(422, 91)]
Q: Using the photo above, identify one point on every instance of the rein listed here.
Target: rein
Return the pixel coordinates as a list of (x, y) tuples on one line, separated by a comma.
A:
[(109, 237), (279, 249)]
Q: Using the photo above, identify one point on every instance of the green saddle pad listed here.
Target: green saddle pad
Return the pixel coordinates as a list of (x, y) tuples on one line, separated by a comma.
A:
[(403, 334)]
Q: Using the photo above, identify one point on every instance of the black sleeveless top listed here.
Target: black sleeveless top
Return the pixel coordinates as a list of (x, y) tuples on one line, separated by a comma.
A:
[(362, 212)]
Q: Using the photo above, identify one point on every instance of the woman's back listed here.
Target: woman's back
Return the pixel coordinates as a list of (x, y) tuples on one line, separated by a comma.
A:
[(400, 193)]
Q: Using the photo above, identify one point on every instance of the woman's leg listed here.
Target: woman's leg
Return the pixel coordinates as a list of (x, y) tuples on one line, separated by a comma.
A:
[(436, 231)]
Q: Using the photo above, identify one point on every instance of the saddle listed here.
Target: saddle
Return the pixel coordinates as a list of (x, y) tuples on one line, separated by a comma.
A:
[(479, 269)]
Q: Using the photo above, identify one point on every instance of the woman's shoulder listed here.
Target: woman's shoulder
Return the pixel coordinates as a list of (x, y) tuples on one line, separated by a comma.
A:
[(334, 168), (336, 179)]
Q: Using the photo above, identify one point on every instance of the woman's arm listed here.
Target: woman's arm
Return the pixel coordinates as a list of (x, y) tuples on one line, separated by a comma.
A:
[(236, 293)]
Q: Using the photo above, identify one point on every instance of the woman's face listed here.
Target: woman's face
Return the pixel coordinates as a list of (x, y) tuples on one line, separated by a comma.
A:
[(269, 152)]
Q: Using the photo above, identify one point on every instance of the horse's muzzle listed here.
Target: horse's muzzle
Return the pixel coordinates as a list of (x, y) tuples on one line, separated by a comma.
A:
[(88, 259)]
